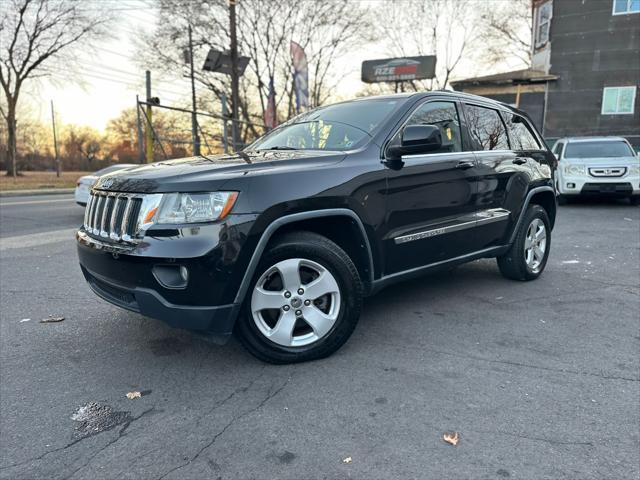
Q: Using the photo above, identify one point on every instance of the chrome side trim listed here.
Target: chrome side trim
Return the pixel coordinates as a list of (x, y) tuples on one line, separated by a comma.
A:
[(478, 218)]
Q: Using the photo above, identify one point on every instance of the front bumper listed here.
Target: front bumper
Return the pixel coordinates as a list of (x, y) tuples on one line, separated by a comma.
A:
[(614, 186), (128, 276), (217, 320)]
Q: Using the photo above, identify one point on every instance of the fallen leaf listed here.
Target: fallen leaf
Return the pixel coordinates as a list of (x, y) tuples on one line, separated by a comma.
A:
[(132, 395), (347, 460), (451, 438), (52, 319)]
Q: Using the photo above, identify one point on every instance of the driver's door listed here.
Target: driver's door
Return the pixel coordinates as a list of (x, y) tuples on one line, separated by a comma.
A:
[(430, 197)]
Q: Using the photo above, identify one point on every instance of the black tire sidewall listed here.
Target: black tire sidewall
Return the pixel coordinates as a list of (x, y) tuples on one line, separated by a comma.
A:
[(340, 266)]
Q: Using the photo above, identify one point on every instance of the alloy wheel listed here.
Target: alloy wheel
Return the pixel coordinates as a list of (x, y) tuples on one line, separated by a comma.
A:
[(535, 244), (295, 302)]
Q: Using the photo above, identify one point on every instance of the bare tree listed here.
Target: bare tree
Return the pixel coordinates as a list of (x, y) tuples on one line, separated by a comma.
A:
[(32, 34), (265, 29), (506, 32), (462, 34)]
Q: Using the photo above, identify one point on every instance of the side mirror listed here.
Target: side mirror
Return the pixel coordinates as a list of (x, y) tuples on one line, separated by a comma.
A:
[(416, 139)]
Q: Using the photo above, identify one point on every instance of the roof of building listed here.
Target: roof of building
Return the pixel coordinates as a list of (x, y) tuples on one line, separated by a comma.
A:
[(514, 77)]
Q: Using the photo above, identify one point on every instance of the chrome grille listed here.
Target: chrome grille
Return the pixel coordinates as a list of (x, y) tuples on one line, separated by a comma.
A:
[(607, 171), (112, 215)]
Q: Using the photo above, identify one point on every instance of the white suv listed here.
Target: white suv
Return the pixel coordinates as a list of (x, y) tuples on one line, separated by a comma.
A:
[(597, 166)]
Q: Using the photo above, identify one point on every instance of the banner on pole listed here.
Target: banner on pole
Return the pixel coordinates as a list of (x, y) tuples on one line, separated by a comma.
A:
[(300, 76), (270, 115)]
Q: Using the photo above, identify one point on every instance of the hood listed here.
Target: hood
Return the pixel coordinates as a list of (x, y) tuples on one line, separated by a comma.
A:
[(603, 161), (87, 179), (208, 173)]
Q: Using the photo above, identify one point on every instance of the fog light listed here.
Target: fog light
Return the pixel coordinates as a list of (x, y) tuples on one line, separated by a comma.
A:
[(571, 185), (184, 273), (171, 276)]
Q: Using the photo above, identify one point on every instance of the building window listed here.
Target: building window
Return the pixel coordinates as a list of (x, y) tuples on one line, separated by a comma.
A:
[(624, 7), (618, 100), (543, 24)]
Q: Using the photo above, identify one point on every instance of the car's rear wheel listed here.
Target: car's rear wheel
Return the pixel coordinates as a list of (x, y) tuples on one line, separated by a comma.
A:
[(304, 300), (528, 255)]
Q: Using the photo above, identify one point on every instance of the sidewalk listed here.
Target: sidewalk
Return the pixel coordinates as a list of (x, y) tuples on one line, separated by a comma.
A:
[(39, 191)]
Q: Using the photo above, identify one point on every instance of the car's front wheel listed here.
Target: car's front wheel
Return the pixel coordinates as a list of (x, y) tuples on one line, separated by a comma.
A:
[(304, 300), (528, 255)]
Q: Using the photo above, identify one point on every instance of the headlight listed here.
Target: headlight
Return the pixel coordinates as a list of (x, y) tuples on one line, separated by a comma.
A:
[(195, 207), (575, 169), (635, 170)]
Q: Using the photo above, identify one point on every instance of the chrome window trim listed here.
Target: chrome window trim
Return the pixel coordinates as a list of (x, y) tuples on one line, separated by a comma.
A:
[(454, 100)]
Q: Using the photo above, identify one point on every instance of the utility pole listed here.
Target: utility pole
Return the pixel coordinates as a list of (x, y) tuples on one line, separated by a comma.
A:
[(194, 118), (139, 125), (55, 140), (235, 97), (225, 130), (148, 128)]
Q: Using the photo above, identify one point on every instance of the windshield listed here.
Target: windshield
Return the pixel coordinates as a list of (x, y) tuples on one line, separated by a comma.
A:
[(598, 150), (337, 127)]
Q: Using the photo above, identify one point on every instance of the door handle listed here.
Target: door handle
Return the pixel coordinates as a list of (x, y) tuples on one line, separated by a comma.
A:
[(520, 160), (465, 164)]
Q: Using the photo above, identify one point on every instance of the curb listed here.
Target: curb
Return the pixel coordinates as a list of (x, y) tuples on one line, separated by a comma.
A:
[(40, 191)]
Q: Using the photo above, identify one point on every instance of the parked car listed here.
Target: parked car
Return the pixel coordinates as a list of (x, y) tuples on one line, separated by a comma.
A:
[(84, 183), (597, 166), (279, 243)]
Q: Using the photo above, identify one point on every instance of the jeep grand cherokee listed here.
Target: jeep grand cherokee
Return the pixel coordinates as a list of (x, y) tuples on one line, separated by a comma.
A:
[(281, 242)]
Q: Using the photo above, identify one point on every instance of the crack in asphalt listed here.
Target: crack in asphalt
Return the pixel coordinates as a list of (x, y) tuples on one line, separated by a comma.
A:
[(233, 420), (537, 367), (78, 440), (542, 439), (232, 394), (109, 443), (526, 365)]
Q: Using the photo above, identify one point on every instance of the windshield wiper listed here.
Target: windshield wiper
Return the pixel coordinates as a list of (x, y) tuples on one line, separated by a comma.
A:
[(281, 147)]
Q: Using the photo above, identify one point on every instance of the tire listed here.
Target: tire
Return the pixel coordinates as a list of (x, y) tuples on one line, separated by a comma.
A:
[(562, 200), (278, 324), (634, 200), (520, 262)]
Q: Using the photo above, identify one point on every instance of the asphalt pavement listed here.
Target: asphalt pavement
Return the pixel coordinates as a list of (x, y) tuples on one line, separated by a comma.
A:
[(540, 379)]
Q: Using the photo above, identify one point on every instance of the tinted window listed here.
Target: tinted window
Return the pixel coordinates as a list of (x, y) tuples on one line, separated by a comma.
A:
[(597, 149), (486, 128), (336, 127), (520, 135), (443, 115)]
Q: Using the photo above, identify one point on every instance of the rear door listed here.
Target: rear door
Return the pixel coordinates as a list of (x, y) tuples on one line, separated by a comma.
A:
[(430, 196), (504, 170)]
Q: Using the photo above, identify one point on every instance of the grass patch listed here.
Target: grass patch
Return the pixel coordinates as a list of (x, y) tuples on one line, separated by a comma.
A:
[(39, 180)]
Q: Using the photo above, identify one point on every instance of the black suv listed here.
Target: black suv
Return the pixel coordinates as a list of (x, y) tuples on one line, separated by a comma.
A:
[(279, 243)]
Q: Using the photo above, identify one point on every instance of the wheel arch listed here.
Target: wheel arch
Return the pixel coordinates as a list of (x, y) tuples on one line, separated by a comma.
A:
[(340, 225), (547, 200), (545, 197)]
